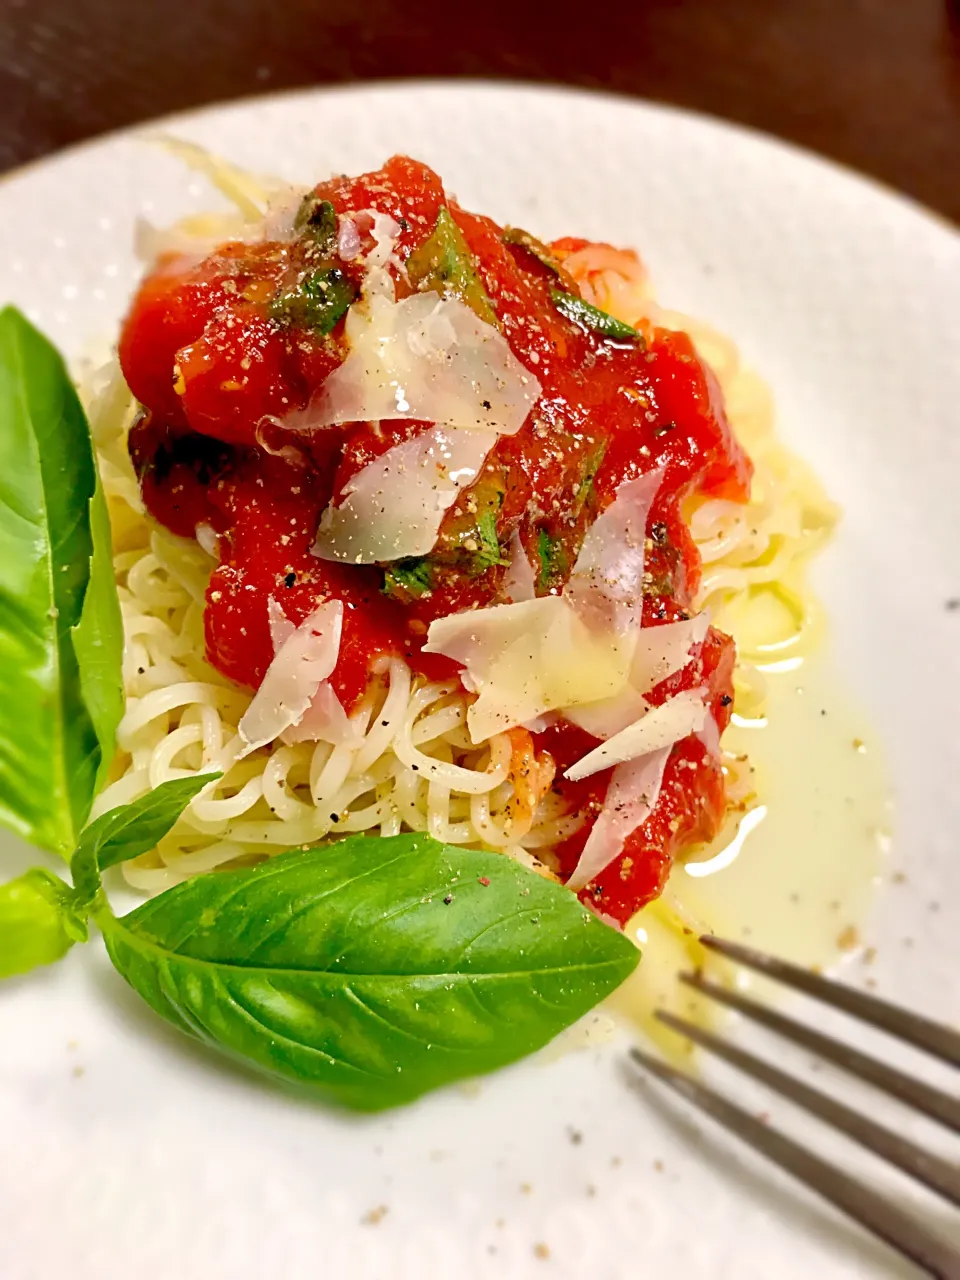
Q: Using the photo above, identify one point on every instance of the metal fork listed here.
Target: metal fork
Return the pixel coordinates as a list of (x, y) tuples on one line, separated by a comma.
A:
[(872, 1210)]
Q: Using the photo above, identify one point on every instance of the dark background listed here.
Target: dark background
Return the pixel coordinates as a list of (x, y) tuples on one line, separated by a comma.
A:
[(873, 83)]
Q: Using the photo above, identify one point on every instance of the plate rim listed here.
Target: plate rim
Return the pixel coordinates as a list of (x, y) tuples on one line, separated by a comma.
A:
[(391, 86)]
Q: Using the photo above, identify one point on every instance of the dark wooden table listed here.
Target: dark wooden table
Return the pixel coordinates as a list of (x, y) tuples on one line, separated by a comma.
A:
[(874, 83)]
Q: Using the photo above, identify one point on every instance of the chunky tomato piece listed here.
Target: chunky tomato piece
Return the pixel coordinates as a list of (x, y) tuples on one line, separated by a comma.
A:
[(170, 310), (235, 375)]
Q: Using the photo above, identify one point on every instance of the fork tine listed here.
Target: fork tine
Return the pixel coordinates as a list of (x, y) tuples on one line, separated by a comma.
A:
[(933, 1037), (916, 1093), (938, 1174), (876, 1212)]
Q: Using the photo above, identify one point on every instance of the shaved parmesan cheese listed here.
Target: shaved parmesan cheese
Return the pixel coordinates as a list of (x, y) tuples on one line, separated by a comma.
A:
[(528, 658), (385, 231), (427, 358), (518, 581), (306, 657), (631, 796), (658, 652), (606, 586), (660, 727), (662, 650), (582, 653), (394, 506), (709, 735), (281, 628), (208, 539), (323, 721), (348, 239), (609, 716)]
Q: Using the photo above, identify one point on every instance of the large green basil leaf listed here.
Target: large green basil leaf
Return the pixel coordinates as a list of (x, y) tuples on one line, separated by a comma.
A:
[(38, 923), (59, 704), (371, 970), (98, 638)]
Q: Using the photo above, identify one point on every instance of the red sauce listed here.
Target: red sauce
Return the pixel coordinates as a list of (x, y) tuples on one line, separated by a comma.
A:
[(214, 351)]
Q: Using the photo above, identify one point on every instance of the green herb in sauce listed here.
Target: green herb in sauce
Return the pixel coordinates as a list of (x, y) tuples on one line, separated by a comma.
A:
[(318, 220), (591, 465), (408, 578), (445, 265), (316, 302), (543, 253), (590, 317), (489, 553), (553, 560)]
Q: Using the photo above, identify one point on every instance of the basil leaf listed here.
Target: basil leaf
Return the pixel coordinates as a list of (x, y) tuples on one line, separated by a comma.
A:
[(98, 639), (135, 828), (489, 553), (318, 219), (317, 302), (59, 702), (543, 253), (38, 924), (445, 264), (411, 577), (373, 969), (553, 560), (589, 468), (590, 317)]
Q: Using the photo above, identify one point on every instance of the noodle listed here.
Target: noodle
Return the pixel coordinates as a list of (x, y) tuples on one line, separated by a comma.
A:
[(408, 763)]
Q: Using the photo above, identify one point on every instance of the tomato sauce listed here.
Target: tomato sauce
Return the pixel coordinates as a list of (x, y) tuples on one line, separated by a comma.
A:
[(220, 353)]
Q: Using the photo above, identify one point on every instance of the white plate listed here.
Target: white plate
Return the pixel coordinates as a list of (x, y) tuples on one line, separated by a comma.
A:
[(156, 1161)]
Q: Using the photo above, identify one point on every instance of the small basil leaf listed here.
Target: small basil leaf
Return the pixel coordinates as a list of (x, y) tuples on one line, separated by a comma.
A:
[(444, 264), (373, 969), (317, 219), (590, 317), (135, 828), (588, 472), (317, 302), (54, 698), (411, 577), (489, 552), (38, 923), (553, 560), (543, 253)]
